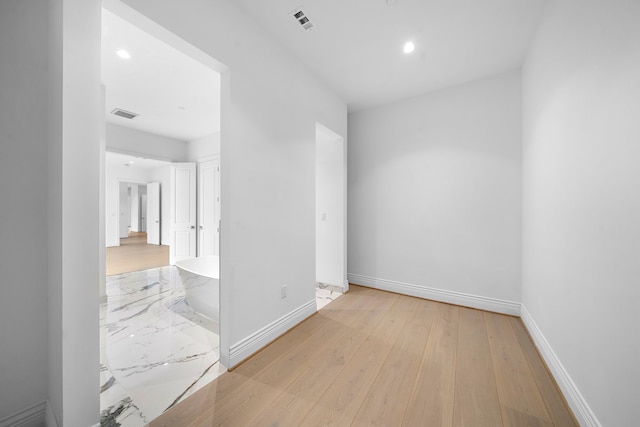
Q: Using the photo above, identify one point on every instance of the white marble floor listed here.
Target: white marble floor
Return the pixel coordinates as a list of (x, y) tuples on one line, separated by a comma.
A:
[(155, 350), (325, 294)]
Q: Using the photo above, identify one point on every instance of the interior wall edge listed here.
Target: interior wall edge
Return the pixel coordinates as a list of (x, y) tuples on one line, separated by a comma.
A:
[(51, 420), (255, 342), (576, 401), (495, 305)]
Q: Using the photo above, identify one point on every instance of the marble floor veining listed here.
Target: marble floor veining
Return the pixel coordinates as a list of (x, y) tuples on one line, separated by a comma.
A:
[(155, 350), (326, 293)]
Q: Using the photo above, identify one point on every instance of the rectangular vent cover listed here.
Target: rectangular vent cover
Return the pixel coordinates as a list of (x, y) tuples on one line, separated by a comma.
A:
[(302, 18), (123, 113)]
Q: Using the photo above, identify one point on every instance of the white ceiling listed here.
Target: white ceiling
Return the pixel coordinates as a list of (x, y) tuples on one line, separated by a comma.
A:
[(356, 45), (175, 95)]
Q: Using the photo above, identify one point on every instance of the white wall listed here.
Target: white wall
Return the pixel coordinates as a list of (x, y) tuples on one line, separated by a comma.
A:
[(435, 190), (74, 114), (330, 208), (208, 145), (121, 139), (23, 210), (270, 104), (102, 209), (582, 198)]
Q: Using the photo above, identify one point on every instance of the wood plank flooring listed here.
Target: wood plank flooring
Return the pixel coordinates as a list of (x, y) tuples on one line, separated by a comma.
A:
[(134, 254), (377, 358)]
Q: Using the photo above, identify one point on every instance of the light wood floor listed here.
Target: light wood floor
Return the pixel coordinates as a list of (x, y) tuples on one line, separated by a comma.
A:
[(134, 254), (377, 358)]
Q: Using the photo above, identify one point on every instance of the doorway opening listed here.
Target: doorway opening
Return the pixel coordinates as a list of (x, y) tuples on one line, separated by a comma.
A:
[(137, 223), (133, 207), (157, 345), (331, 220)]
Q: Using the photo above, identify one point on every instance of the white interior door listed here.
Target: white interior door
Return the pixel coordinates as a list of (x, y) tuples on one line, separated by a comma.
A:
[(183, 212), (143, 213), (125, 211), (135, 208), (153, 213), (209, 208)]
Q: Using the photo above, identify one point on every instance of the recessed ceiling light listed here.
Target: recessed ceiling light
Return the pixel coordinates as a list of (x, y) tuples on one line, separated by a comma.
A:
[(409, 47), (123, 54)]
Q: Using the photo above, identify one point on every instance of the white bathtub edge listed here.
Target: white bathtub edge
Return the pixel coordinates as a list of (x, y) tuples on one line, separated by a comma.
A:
[(189, 268)]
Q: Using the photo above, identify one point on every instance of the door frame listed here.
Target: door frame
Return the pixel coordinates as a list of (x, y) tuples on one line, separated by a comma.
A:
[(341, 232), (120, 181), (148, 25)]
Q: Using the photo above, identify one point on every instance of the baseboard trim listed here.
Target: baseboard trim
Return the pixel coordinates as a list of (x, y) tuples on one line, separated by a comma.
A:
[(31, 416), (258, 340), (52, 421), (441, 295), (581, 409)]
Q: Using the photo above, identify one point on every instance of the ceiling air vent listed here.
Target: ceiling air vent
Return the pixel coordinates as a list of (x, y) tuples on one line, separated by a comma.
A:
[(124, 113), (302, 18)]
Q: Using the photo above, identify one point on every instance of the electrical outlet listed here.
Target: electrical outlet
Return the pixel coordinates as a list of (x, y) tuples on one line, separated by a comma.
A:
[(283, 291)]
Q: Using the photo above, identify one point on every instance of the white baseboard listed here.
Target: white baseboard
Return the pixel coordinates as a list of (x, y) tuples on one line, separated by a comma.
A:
[(576, 401), (52, 421), (441, 295), (258, 340), (31, 416)]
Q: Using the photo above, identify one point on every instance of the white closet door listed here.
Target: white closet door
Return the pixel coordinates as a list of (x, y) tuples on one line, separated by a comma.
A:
[(153, 213), (209, 208), (183, 212)]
